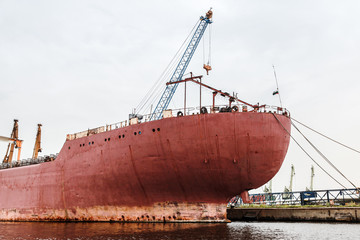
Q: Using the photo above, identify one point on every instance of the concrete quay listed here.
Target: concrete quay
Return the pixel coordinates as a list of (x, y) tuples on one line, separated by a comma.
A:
[(318, 214)]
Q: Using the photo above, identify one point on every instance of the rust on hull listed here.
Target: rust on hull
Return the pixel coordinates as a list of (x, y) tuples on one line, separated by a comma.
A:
[(159, 212)]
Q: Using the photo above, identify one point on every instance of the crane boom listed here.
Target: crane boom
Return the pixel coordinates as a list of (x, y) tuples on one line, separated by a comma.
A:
[(312, 178), (292, 177), (37, 146), (287, 190), (15, 142), (181, 67)]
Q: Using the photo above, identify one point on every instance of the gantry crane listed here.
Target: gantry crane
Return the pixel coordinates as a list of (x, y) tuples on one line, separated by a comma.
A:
[(287, 191), (311, 179), (37, 147), (181, 67), (268, 189), (291, 179), (14, 143)]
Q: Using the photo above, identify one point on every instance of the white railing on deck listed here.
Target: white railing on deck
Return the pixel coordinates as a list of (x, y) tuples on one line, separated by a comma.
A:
[(175, 113)]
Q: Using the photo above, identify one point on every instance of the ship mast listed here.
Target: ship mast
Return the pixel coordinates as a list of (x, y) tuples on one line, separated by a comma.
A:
[(215, 91)]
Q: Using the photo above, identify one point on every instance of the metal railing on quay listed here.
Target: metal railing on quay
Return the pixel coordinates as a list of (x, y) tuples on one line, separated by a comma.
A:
[(335, 197)]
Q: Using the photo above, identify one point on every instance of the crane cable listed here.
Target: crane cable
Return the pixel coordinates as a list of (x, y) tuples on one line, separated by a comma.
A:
[(209, 59), (203, 42), (326, 136), (308, 153), (152, 92), (156, 94), (209, 56), (323, 156)]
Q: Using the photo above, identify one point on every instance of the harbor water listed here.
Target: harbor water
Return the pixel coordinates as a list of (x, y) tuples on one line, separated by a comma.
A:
[(134, 231)]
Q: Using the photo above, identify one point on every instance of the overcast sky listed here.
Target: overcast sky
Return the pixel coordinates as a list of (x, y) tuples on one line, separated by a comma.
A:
[(74, 65)]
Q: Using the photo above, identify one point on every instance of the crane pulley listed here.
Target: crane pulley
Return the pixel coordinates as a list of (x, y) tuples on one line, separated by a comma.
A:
[(207, 67)]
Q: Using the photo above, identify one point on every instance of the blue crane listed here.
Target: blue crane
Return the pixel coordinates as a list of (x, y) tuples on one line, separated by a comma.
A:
[(181, 67)]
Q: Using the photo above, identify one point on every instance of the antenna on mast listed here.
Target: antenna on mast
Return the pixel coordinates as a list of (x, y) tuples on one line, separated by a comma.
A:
[(277, 86)]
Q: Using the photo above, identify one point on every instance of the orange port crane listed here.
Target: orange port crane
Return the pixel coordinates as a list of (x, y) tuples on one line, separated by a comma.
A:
[(14, 142), (37, 147)]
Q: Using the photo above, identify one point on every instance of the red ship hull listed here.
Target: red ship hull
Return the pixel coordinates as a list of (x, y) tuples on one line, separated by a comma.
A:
[(174, 169)]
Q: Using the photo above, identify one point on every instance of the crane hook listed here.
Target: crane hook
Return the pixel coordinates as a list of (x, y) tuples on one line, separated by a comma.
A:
[(208, 68)]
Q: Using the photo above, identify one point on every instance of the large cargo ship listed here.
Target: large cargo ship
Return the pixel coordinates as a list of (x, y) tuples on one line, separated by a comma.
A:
[(172, 167)]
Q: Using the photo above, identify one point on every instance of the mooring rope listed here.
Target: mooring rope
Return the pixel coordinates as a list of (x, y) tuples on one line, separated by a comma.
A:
[(307, 152), (326, 136), (322, 155)]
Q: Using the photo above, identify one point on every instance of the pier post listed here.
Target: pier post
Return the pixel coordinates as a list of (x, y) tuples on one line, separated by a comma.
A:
[(302, 198), (327, 195)]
